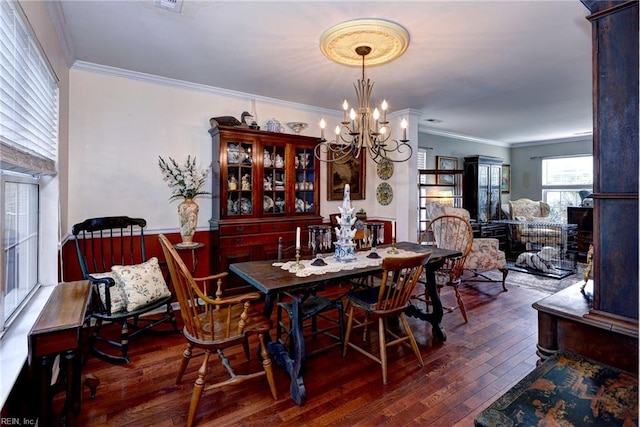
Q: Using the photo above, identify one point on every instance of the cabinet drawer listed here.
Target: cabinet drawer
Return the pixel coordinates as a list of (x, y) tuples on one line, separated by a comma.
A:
[(238, 229), (275, 227), (251, 239)]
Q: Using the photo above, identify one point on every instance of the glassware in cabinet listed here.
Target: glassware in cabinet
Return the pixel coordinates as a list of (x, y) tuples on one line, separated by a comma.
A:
[(305, 181), (239, 174), (274, 179)]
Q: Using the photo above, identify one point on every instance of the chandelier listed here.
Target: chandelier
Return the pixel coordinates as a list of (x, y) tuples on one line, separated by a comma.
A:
[(361, 128)]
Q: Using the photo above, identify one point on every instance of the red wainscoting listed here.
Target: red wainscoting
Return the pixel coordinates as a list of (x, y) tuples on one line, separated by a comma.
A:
[(69, 268)]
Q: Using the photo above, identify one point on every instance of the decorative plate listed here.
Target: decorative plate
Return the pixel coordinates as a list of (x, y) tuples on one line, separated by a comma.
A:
[(385, 169), (384, 193)]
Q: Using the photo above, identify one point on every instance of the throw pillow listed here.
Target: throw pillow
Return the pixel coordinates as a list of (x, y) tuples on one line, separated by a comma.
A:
[(143, 283), (116, 292)]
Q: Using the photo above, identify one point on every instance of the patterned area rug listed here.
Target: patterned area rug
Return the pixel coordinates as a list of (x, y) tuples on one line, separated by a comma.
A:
[(533, 281), (567, 390)]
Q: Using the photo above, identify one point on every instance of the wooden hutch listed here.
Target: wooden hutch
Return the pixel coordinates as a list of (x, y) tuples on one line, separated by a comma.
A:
[(265, 185), (482, 193)]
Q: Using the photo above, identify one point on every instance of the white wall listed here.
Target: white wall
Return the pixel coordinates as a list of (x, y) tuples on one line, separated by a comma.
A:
[(121, 122)]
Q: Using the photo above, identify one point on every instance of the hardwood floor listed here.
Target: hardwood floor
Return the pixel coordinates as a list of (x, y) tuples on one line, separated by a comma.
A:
[(479, 361)]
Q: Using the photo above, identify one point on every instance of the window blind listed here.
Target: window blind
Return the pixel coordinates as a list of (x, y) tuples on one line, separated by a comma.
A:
[(28, 98)]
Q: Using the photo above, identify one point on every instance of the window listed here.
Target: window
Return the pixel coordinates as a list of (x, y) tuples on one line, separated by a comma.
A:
[(28, 154), (566, 181)]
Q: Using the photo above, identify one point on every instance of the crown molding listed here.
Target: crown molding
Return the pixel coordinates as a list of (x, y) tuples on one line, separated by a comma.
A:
[(60, 26), (181, 84), (423, 129)]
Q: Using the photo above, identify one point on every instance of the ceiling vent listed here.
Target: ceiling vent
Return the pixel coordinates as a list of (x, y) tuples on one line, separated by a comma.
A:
[(172, 5)]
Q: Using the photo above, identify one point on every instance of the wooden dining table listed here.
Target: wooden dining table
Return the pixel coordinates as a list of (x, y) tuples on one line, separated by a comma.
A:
[(273, 280)]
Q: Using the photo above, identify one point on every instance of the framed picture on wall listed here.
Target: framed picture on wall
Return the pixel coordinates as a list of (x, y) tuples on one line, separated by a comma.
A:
[(505, 184), (352, 173), (446, 163)]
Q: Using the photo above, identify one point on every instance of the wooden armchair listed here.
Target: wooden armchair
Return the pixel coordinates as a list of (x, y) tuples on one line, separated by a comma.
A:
[(450, 232), (389, 300), (127, 286), (214, 325), (485, 254)]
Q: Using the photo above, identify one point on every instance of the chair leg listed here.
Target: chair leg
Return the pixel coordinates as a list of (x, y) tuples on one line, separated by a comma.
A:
[(504, 271), (412, 339), (267, 366), (383, 348), (186, 357), (124, 339), (460, 303), (347, 334), (340, 309), (197, 388)]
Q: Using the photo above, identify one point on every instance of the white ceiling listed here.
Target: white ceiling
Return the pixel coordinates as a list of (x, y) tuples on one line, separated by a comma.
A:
[(506, 72)]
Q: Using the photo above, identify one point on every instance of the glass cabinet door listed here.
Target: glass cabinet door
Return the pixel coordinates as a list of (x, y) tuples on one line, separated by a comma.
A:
[(239, 174), (305, 182), (274, 180)]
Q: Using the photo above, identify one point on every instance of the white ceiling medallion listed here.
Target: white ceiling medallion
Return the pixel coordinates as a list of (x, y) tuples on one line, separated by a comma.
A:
[(386, 39)]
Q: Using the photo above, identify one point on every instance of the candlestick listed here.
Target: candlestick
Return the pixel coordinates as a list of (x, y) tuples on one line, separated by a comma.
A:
[(297, 266), (392, 249), (298, 238)]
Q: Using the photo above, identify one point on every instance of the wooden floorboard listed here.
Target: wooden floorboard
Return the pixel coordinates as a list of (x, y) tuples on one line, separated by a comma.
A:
[(479, 361)]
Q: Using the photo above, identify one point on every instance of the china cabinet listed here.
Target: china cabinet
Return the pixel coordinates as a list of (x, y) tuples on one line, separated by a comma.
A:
[(482, 178), (265, 185)]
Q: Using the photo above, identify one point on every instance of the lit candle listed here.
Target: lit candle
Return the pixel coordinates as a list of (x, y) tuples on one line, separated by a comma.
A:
[(404, 129), (384, 111), (352, 116), (297, 237), (376, 116), (345, 107), (323, 124)]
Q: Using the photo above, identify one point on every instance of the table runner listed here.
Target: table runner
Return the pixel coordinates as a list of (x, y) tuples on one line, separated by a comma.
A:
[(334, 266)]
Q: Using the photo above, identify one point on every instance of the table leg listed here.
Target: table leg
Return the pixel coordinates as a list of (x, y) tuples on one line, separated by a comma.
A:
[(435, 317), (293, 366)]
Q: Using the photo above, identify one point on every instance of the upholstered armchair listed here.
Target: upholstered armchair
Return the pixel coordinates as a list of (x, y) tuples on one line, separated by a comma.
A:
[(485, 252)]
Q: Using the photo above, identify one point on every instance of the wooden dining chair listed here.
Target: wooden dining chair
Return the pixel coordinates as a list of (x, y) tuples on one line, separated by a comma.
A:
[(455, 233), (389, 300), (214, 325)]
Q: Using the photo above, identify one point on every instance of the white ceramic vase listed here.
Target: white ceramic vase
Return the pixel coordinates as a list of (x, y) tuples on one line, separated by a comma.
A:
[(188, 214)]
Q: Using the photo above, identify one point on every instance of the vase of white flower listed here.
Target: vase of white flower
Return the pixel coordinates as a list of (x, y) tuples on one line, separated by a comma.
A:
[(187, 183), (188, 214)]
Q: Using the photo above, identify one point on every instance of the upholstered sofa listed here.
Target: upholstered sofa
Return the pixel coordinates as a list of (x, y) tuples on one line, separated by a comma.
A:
[(533, 229), (485, 252)]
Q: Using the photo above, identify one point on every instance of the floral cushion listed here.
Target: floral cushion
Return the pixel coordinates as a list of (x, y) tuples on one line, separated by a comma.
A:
[(143, 283), (528, 209), (485, 255), (116, 292)]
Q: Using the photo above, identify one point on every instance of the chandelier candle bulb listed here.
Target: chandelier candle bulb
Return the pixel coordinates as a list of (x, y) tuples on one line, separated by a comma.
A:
[(404, 129), (345, 107), (323, 124), (384, 107)]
